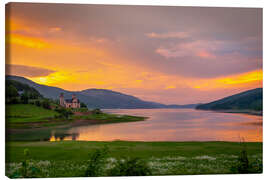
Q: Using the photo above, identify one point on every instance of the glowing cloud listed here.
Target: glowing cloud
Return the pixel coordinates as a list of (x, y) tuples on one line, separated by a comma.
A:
[(53, 78), (170, 87), (248, 77), (239, 80), (30, 42)]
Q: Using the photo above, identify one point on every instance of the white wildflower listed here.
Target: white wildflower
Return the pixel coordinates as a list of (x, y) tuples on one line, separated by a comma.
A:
[(205, 157)]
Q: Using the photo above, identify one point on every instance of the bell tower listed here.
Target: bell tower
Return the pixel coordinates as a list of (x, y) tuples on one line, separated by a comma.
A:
[(62, 100), (73, 96)]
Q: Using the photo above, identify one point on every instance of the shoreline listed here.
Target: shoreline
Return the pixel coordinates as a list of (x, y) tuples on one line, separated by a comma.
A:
[(75, 122), (42, 130), (244, 111)]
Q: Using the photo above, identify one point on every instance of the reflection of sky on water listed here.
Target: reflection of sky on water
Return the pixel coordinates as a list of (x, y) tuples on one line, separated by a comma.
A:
[(175, 125)]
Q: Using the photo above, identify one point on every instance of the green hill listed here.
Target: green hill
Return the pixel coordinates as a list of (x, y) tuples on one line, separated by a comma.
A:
[(248, 100), (20, 113), (21, 87)]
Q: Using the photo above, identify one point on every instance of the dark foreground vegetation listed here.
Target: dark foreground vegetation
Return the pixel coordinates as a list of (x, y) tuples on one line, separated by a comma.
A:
[(122, 158)]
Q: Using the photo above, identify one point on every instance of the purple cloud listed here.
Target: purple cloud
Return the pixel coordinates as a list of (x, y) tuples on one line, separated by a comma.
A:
[(27, 71)]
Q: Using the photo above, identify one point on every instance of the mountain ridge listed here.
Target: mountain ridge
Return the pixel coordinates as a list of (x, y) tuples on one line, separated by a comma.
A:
[(247, 100), (97, 98)]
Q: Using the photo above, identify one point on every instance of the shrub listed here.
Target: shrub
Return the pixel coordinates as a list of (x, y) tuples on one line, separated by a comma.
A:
[(83, 109), (80, 110), (244, 166), (97, 162), (130, 167), (83, 105), (11, 91), (25, 163), (33, 95), (37, 103), (46, 104), (27, 170), (96, 111), (64, 113), (14, 100), (24, 98)]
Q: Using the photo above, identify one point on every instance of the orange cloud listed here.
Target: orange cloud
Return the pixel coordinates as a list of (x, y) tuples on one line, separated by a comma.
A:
[(31, 42), (252, 78), (170, 87), (53, 78), (243, 78)]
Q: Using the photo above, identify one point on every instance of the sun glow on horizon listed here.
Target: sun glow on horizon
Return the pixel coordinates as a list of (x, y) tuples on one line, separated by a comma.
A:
[(239, 80), (52, 79), (97, 79)]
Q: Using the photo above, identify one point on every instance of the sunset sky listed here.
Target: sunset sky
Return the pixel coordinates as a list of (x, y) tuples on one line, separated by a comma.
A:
[(171, 55)]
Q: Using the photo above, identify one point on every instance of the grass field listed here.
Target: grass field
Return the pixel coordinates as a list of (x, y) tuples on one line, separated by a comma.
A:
[(110, 118), (21, 113), (78, 150), (69, 158), (27, 116)]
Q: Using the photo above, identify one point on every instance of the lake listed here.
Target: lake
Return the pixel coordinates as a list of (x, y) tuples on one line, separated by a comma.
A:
[(174, 125)]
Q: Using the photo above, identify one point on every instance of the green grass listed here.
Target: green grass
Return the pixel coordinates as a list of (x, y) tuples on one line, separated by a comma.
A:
[(79, 150), (80, 110), (69, 158), (110, 118), (20, 116), (27, 113)]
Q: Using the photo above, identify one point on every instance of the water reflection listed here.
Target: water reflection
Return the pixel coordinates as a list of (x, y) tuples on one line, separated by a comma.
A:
[(175, 125), (162, 125), (60, 136)]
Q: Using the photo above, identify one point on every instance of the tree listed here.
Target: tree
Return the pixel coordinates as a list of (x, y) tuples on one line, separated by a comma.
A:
[(96, 111), (24, 98), (46, 104), (11, 91), (33, 95), (83, 105), (37, 103)]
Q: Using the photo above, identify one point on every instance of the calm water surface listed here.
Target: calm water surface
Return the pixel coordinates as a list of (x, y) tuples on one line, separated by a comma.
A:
[(174, 125)]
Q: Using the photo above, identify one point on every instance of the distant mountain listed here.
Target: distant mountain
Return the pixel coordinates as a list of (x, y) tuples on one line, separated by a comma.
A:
[(248, 100), (96, 98)]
